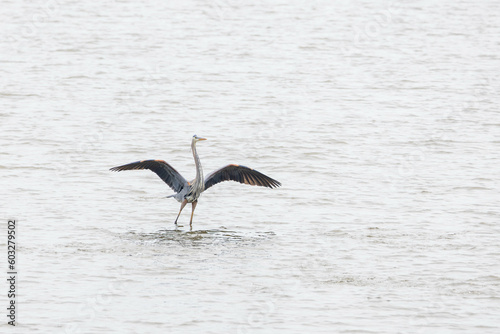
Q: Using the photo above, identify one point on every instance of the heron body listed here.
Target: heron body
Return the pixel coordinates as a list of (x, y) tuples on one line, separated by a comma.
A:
[(189, 192)]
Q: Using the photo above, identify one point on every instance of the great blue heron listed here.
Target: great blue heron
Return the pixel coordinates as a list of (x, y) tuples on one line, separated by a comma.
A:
[(189, 192)]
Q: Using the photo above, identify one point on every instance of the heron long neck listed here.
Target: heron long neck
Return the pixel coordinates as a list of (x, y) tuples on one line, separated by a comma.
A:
[(198, 181)]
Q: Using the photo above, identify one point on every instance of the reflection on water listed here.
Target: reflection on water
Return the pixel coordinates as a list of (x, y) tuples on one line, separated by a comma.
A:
[(197, 238)]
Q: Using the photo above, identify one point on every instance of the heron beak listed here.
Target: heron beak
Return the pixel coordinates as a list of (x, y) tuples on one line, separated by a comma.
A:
[(202, 138)]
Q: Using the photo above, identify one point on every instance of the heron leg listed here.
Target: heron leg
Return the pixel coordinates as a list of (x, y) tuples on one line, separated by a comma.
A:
[(184, 202), (192, 212)]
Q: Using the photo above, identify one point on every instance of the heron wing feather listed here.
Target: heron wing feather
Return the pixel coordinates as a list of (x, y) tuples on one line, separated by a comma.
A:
[(166, 172), (240, 174)]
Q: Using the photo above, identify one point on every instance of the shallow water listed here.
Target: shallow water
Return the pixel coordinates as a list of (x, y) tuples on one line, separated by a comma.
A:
[(380, 120)]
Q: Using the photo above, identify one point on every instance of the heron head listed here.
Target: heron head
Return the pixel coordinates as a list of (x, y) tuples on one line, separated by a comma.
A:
[(197, 139)]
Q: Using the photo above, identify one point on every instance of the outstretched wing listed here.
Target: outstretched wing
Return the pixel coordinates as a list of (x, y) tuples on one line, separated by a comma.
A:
[(240, 174), (166, 172)]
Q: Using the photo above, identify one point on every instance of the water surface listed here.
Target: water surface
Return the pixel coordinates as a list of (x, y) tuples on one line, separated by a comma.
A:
[(380, 120)]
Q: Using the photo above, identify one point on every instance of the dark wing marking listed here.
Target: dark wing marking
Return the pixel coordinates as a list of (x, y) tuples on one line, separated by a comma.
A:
[(166, 172), (240, 174)]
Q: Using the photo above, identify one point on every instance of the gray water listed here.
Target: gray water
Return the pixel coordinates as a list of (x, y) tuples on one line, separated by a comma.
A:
[(380, 120)]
